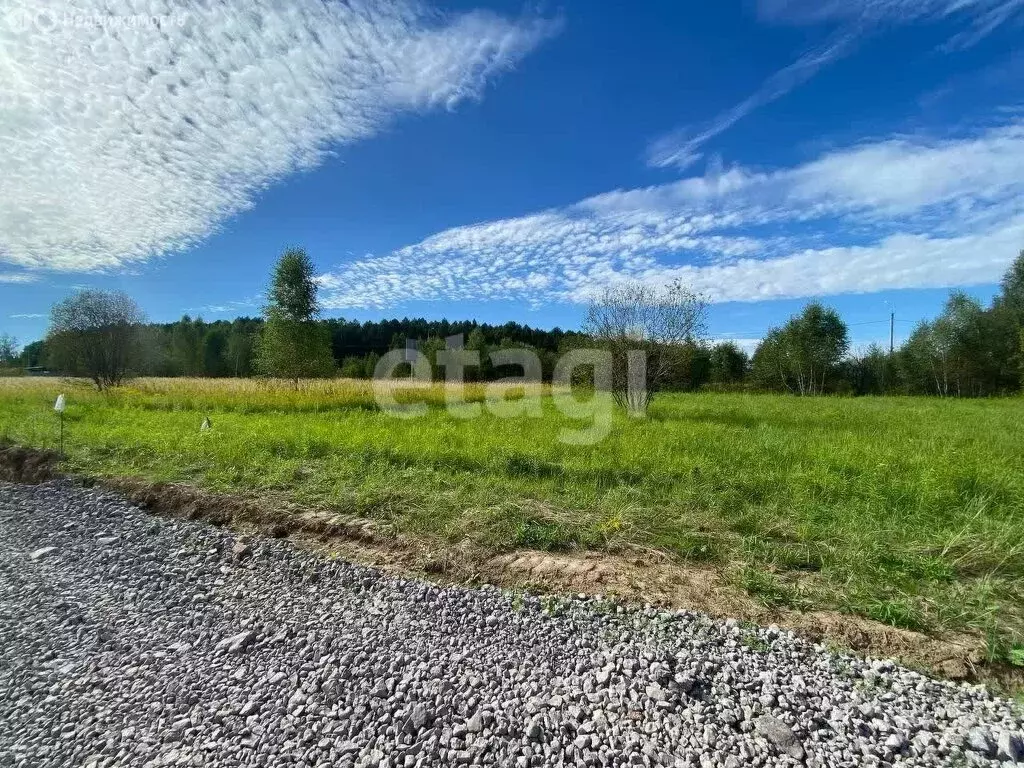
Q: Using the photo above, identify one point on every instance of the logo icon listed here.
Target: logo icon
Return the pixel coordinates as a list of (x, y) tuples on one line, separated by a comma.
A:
[(23, 20)]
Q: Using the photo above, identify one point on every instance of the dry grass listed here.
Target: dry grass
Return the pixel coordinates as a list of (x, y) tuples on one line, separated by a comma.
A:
[(263, 394)]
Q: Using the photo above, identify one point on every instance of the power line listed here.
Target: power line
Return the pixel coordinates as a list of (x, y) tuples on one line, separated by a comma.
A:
[(759, 335)]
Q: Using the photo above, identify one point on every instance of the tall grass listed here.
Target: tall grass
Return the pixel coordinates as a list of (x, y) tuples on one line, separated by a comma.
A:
[(264, 395), (906, 510)]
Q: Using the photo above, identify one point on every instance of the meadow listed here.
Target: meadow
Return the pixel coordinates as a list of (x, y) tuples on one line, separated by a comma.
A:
[(909, 511)]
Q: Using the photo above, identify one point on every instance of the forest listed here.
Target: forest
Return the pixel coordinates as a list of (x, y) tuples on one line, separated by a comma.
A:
[(969, 350)]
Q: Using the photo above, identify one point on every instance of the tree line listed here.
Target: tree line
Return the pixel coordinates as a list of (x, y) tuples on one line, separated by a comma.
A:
[(227, 348), (969, 350), (102, 335), (192, 346)]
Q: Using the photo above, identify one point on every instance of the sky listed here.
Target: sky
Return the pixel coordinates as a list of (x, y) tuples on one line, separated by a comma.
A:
[(507, 161)]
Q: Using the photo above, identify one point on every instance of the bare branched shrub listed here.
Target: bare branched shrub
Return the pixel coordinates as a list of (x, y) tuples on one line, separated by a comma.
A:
[(95, 334), (646, 329)]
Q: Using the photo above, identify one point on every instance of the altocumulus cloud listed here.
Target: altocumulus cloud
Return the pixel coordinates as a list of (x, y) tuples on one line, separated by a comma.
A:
[(897, 213), (132, 128)]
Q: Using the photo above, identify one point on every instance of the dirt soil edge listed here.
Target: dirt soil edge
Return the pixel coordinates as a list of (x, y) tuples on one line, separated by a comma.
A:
[(643, 577)]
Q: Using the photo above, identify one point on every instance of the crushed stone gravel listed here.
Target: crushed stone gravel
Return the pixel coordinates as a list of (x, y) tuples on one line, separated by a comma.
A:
[(140, 641)]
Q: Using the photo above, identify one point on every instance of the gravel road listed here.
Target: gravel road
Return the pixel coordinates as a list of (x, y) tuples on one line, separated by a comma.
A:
[(129, 640)]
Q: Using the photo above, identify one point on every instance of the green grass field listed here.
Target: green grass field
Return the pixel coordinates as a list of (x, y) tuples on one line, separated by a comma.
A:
[(908, 511)]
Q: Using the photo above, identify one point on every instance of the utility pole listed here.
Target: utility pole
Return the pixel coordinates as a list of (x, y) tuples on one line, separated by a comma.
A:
[(892, 331)]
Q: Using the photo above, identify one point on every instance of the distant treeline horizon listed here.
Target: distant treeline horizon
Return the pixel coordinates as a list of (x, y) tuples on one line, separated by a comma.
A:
[(227, 348), (969, 350)]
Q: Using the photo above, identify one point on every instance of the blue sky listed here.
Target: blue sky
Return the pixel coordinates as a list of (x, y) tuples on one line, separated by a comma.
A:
[(498, 161)]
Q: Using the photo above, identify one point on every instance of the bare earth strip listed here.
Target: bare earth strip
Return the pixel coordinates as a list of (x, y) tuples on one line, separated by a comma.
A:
[(641, 577)]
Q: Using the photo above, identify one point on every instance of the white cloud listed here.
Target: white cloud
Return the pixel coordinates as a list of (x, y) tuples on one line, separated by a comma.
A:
[(982, 15), (16, 277), (855, 19), (898, 261), (227, 307), (899, 213), (905, 174), (125, 140), (28, 316)]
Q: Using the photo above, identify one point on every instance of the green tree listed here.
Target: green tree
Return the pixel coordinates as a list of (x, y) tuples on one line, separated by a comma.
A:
[(156, 358), (969, 328), (728, 363), (1020, 354), (187, 346), (370, 365), (8, 349), (293, 345), (816, 342), (353, 368), (477, 342), (33, 354), (1011, 296), (871, 373), (429, 348), (241, 347), (966, 351), (924, 360), (1008, 326), (769, 367), (805, 353), (215, 345), (692, 369)]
